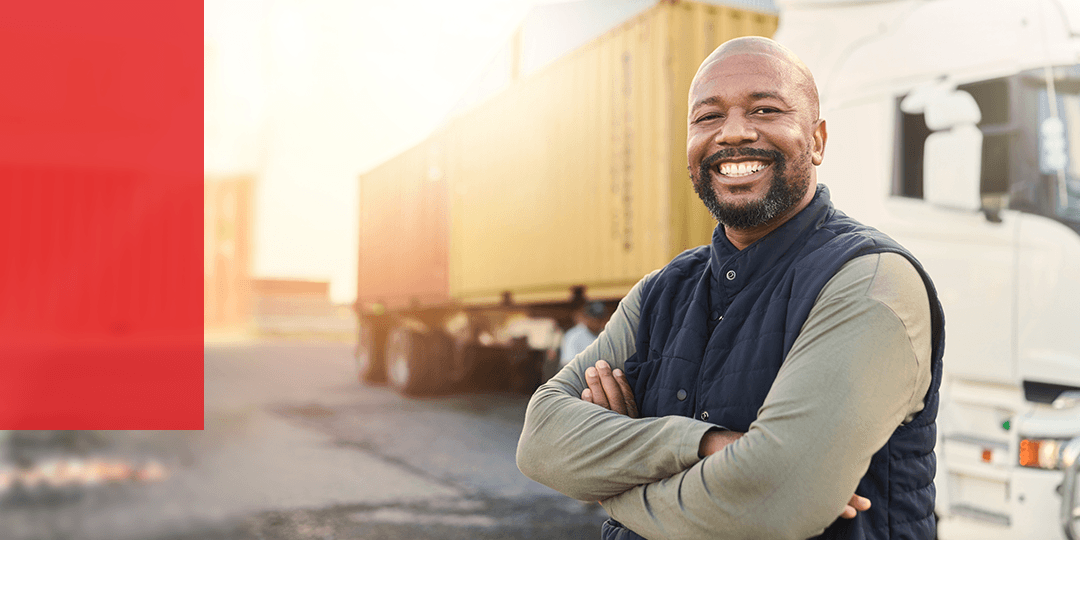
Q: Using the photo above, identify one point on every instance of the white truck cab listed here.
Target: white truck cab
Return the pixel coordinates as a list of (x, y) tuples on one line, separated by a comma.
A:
[(954, 127)]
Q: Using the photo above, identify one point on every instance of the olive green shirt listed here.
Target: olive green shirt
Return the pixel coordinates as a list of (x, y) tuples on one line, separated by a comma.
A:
[(859, 369)]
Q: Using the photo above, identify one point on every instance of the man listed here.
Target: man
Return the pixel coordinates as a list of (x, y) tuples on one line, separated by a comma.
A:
[(590, 322), (770, 383)]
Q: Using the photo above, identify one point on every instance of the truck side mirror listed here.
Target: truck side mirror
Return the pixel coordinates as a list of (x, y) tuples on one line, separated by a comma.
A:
[(953, 152)]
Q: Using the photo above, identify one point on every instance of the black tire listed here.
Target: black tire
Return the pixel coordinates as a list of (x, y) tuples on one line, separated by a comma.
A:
[(417, 363), (371, 352), (485, 368)]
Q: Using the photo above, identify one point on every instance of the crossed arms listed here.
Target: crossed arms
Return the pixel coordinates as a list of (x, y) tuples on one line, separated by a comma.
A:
[(858, 369), (608, 388)]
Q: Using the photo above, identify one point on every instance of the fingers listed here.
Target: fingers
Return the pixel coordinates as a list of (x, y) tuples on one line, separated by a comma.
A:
[(627, 393), (859, 503), (610, 389), (595, 392), (855, 505)]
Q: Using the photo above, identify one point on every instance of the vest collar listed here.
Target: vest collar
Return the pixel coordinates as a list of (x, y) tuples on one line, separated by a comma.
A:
[(732, 268)]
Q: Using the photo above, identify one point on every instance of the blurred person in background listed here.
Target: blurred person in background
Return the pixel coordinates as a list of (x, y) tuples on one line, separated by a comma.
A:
[(591, 320), (781, 382)]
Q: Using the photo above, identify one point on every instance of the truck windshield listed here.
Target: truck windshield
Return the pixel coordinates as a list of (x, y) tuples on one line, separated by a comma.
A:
[(1051, 118)]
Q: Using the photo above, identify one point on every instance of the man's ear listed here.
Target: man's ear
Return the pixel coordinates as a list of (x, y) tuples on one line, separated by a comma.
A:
[(821, 135)]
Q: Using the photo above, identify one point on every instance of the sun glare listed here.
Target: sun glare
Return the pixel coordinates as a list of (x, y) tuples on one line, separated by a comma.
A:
[(306, 96)]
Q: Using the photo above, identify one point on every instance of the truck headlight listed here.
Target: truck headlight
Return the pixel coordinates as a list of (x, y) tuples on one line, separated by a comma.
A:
[(1041, 453)]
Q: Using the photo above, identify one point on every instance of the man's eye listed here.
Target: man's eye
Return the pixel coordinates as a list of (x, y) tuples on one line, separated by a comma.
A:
[(766, 110), (707, 117)]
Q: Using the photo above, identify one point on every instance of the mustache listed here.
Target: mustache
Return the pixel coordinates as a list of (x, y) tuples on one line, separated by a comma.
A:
[(729, 153)]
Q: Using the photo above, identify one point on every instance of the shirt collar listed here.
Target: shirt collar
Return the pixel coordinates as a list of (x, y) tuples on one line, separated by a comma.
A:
[(733, 268)]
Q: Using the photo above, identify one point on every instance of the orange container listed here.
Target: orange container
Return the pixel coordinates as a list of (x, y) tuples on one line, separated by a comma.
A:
[(227, 250), (404, 231)]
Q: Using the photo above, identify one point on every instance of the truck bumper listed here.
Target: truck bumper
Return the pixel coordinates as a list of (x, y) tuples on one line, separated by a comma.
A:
[(1042, 505)]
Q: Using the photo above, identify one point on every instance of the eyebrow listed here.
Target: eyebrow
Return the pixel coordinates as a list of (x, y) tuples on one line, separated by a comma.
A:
[(753, 96)]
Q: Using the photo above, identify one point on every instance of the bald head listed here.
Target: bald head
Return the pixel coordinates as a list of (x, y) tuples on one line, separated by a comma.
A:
[(790, 65)]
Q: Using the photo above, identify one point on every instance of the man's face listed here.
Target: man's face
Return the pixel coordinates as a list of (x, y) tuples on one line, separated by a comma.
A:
[(753, 139)]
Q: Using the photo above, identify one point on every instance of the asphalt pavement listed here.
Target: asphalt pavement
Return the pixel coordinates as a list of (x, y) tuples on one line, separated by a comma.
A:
[(293, 448)]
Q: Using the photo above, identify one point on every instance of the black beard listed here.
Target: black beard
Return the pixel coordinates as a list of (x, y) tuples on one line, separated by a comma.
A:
[(783, 194)]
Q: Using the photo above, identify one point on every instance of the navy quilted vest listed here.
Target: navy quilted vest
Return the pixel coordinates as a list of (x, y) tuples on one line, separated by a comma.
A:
[(717, 323)]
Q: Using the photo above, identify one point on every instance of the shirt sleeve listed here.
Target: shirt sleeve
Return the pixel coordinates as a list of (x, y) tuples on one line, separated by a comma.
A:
[(859, 369), (589, 452)]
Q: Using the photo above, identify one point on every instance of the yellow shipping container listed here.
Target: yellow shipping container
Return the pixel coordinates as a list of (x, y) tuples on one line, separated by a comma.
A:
[(576, 175), (568, 185)]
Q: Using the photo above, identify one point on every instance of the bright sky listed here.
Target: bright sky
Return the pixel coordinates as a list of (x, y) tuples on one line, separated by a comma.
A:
[(309, 94)]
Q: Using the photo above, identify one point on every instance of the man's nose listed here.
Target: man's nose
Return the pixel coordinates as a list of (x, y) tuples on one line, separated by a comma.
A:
[(736, 130)]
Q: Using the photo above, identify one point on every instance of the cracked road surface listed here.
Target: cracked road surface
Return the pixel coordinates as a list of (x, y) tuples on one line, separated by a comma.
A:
[(295, 448)]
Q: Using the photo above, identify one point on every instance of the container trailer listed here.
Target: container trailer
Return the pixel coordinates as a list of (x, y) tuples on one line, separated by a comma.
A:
[(567, 186)]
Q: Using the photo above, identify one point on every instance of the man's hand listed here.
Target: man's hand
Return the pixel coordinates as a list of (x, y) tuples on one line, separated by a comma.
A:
[(609, 389), (715, 440), (854, 506)]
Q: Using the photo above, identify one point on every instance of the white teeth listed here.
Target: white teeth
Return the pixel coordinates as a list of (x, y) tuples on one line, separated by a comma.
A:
[(740, 169)]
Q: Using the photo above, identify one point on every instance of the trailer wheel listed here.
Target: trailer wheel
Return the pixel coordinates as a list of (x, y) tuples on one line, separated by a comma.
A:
[(526, 367), (417, 363), (371, 352)]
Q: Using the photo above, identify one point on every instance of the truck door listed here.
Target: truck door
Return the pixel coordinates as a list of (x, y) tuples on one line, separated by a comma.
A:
[(969, 250), (948, 196)]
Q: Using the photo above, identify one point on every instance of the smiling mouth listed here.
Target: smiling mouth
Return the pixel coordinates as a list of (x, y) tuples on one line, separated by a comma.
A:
[(741, 168)]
